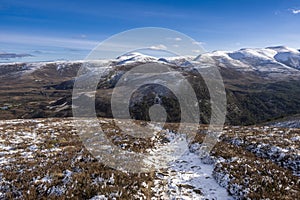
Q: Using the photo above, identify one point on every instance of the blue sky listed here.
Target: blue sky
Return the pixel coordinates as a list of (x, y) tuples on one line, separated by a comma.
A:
[(64, 29)]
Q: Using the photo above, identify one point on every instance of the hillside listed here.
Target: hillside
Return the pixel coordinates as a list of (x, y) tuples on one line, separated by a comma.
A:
[(45, 159), (261, 85), (45, 155)]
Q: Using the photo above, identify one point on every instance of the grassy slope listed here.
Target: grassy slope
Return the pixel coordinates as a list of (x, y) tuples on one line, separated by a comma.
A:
[(251, 100)]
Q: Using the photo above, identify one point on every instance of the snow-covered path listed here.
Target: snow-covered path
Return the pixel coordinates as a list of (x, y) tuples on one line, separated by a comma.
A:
[(188, 178)]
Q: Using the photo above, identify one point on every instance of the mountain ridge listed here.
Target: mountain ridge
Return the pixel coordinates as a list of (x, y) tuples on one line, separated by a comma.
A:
[(259, 88)]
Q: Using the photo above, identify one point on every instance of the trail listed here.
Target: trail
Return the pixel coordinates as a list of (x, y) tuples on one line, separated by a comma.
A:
[(188, 178)]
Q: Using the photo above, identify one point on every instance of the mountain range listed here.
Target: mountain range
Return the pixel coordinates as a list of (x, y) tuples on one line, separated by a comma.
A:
[(262, 84)]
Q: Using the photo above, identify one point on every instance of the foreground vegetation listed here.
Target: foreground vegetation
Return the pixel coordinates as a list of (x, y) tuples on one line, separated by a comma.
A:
[(44, 158)]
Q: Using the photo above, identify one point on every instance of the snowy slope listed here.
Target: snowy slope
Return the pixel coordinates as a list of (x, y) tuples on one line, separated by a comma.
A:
[(134, 57), (188, 178), (287, 56), (268, 62)]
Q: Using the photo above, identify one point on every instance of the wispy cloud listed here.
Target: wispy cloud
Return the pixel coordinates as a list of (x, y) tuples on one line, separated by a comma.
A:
[(79, 43), (81, 36), (159, 47), (295, 11), (175, 38), (196, 51), (199, 43)]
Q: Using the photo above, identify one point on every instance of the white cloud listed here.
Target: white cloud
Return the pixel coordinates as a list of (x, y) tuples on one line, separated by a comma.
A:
[(158, 47), (176, 45), (196, 51), (198, 43), (48, 41), (174, 38), (296, 11)]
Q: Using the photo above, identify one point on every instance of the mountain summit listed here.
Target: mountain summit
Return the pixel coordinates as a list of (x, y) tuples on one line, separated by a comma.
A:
[(270, 61)]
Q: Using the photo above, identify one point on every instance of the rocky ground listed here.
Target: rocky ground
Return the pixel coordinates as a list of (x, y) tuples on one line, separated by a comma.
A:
[(45, 158)]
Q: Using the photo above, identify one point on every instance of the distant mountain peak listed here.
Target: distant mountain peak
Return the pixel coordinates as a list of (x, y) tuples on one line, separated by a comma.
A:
[(271, 61), (130, 54), (283, 49), (277, 61), (134, 57)]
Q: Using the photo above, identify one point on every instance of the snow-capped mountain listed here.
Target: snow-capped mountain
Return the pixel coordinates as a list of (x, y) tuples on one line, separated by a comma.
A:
[(268, 62), (137, 57), (287, 56), (134, 57), (259, 76), (271, 61)]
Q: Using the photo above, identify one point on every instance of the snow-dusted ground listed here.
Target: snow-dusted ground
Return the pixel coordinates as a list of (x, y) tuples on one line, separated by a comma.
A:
[(279, 145), (188, 178), (46, 157), (287, 124), (24, 140)]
